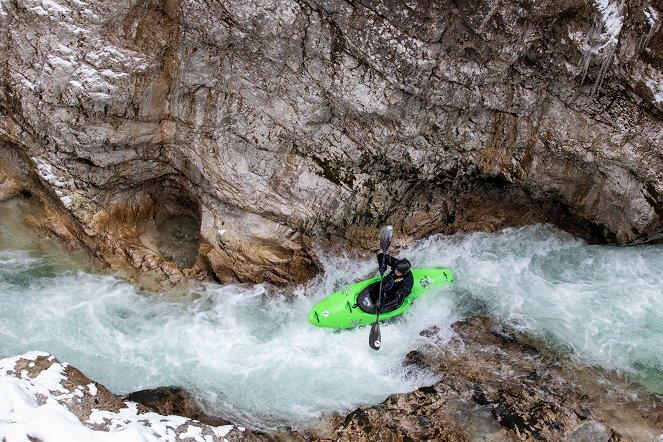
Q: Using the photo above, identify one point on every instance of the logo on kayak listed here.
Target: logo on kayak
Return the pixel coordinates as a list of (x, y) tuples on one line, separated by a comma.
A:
[(346, 291), (376, 343), (355, 322), (325, 313), (425, 281)]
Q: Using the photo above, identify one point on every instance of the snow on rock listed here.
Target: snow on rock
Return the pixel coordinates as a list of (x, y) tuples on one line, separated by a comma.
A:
[(656, 89), (44, 399), (653, 18), (610, 20), (64, 188), (602, 39)]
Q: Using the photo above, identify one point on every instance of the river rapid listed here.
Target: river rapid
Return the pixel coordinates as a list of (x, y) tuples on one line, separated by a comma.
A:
[(251, 354)]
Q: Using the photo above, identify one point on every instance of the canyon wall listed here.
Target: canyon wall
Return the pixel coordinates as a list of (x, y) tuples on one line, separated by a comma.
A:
[(274, 124)]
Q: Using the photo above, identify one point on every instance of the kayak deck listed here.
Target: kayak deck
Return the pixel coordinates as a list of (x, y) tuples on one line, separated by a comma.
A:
[(340, 310)]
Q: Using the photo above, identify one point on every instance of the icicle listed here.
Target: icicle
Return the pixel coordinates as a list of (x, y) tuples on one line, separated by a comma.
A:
[(652, 16), (602, 38)]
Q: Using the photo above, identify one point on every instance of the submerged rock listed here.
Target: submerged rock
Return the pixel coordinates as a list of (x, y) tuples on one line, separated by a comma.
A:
[(500, 384), (273, 124)]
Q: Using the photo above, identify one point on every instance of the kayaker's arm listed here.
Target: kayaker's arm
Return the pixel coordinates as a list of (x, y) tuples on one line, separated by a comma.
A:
[(388, 261)]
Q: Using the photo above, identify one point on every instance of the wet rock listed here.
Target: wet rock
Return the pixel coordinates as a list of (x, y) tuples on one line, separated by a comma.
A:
[(275, 123), (174, 400), (8, 188), (590, 431), (501, 384)]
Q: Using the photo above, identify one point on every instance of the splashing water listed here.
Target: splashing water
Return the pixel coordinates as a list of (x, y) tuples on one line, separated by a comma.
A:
[(251, 353)]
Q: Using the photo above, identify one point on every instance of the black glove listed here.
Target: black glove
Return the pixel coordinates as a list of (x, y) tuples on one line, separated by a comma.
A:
[(383, 268)]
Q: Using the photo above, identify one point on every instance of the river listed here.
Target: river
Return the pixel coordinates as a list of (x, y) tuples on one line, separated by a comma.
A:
[(251, 354)]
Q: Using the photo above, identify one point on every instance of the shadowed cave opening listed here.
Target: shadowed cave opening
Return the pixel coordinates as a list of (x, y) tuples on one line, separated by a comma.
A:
[(174, 230)]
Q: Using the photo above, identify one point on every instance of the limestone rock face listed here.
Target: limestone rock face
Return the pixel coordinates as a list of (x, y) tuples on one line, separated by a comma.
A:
[(272, 122)]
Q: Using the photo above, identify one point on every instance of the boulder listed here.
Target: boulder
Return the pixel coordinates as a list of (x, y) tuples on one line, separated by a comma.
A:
[(497, 383)]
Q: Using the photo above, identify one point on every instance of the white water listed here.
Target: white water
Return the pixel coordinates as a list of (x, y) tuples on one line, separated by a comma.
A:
[(250, 351)]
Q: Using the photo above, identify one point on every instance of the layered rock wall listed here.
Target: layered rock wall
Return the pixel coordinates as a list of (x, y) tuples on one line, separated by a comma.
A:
[(270, 122)]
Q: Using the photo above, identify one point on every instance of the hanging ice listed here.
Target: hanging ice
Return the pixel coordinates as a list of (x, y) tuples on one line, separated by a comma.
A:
[(602, 38)]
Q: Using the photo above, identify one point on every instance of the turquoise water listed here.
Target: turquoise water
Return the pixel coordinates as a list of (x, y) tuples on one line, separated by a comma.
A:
[(251, 353)]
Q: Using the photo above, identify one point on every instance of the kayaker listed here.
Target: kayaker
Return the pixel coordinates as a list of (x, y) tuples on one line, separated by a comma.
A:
[(396, 285)]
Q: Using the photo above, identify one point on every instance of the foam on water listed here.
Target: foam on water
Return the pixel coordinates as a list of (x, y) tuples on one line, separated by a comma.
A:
[(251, 353), (603, 305)]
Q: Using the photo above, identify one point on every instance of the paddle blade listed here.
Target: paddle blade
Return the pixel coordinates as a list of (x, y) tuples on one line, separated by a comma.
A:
[(385, 237), (375, 338)]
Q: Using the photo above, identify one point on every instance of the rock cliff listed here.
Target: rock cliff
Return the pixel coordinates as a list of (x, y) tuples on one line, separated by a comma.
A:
[(269, 123)]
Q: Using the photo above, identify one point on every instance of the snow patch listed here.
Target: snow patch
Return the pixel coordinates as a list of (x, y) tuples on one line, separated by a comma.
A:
[(56, 61), (76, 85), (192, 432), (223, 430), (66, 50), (55, 8), (46, 171), (653, 20), (28, 84), (652, 16), (49, 7), (611, 19), (656, 89), (36, 409), (52, 378), (67, 200), (110, 74), (39, 11)]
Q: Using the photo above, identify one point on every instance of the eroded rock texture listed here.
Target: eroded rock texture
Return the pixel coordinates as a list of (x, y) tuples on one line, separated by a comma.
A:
[(270, 122), (501, 385)]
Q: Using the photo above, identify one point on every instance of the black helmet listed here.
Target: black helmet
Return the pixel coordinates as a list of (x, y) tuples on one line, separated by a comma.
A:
[(403, 266)]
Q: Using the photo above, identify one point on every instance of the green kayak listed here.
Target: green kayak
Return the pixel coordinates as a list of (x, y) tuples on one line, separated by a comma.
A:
[(341, 309)]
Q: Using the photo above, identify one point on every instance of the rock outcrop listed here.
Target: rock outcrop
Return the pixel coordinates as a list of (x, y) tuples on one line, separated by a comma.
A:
[(498, 384), (177, 401), (42, 397), (270, 123)]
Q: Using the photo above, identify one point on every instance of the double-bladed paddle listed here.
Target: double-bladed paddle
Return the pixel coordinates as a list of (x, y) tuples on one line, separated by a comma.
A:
[(375, 338)]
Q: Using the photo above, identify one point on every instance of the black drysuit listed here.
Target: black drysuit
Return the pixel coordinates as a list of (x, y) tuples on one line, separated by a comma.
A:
[(394, 288)]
